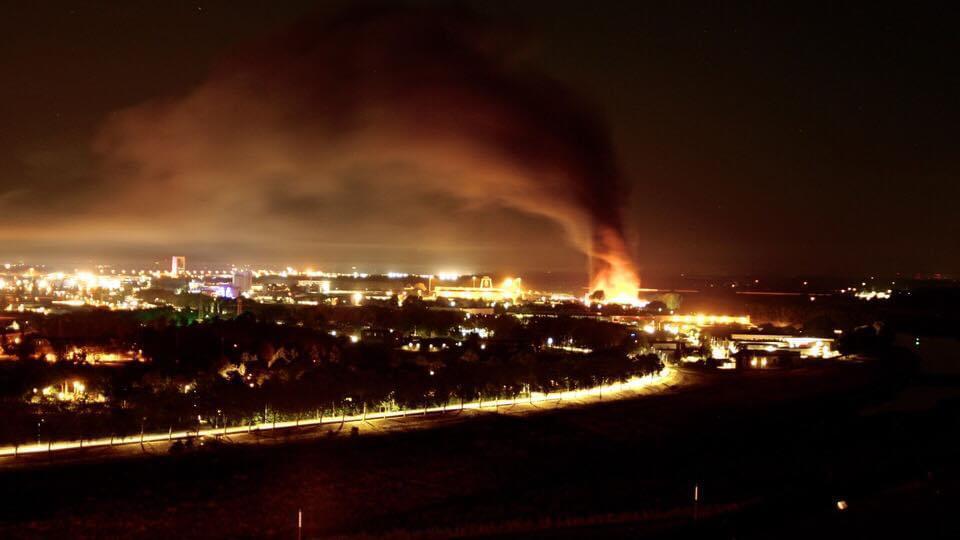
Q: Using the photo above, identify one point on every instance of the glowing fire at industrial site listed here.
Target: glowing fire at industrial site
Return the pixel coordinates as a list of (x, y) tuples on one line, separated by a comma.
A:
[(614, 278)]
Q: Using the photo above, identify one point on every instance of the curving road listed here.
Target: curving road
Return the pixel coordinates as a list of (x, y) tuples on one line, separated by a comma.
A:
[(368, 423)]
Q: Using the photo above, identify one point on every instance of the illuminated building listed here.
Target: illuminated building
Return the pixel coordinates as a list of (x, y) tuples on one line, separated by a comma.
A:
[(178, 265), (220, 290), (242, 281), (706, 320), (319, 285), (804, 346), (67, 391), (870, 295), (510, 290)]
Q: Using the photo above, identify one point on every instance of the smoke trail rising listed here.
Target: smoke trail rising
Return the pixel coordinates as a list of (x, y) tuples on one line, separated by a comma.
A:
[(437, 92)]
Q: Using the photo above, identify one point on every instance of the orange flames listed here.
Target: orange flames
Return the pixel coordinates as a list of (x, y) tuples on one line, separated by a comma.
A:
[(613, 271), (618, 283)]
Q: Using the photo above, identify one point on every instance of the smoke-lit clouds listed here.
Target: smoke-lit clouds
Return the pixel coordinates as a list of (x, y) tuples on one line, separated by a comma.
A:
[(374, 118), (767, 140)]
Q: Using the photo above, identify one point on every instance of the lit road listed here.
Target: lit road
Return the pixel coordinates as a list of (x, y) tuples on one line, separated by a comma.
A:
[(370, 422)]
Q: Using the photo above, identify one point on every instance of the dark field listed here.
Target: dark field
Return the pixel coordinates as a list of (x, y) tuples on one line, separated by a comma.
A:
[(772, 453)]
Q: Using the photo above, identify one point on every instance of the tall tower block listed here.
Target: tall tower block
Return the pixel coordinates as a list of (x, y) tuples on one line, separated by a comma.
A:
[(178, 265)]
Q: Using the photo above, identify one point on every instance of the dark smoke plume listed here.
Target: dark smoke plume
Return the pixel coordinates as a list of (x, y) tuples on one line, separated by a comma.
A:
[(435, 92)]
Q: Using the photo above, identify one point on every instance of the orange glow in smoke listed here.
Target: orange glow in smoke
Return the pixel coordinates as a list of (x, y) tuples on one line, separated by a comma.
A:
[(613, 271), (618, 283)]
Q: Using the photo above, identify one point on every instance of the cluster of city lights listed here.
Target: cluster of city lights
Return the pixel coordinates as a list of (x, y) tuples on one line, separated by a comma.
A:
[(67, 391)]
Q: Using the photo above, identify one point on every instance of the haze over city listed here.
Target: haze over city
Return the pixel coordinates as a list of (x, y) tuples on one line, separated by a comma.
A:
[(745, 140)]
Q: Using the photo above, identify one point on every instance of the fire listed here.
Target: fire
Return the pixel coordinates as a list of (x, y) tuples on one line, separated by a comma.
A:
[(619, 285), (613, 271)]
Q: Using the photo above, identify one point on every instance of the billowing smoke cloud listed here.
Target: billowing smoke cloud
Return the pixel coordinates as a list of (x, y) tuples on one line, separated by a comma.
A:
[(433, 103)]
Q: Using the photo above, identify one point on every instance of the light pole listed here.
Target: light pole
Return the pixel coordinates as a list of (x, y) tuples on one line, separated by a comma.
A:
[(696, 501)]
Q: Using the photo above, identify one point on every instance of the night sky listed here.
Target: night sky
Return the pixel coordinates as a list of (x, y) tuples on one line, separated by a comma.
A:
[(749, 139)]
